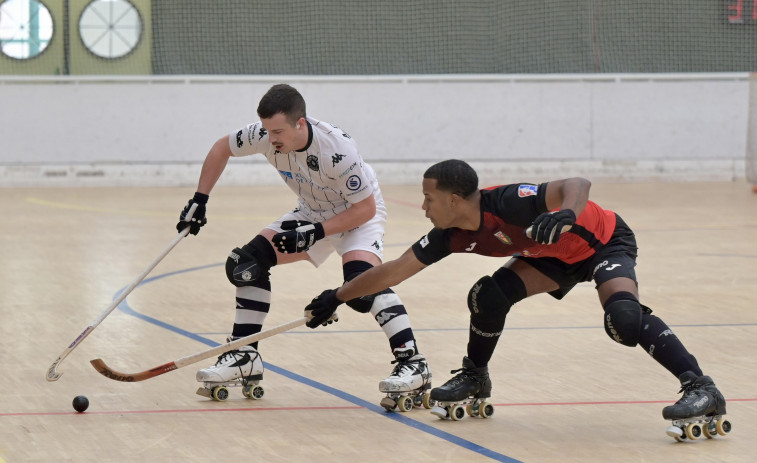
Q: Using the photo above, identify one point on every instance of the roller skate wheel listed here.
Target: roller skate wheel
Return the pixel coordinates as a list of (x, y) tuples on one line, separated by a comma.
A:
[(441, 412), (253, 392), (693, 431), (405, 403), (427, 401), (675, 432), (723, 427), (388, 403), (457, 412), (710, 430), (220, 393), (471, 410), (485, 410)]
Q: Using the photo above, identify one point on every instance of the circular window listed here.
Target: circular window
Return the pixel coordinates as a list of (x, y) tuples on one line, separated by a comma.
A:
[(110, 28), (26, 28)]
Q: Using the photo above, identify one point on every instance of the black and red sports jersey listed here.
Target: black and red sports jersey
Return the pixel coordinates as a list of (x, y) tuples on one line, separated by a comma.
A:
[(506, 212)]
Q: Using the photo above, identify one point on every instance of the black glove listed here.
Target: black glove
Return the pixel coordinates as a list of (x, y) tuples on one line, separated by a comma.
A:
[(196, 219), (300, 236), (548, 226), (322, 310)]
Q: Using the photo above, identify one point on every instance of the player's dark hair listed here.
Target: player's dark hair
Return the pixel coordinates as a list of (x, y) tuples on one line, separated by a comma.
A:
[(282, 98), (454, 176)]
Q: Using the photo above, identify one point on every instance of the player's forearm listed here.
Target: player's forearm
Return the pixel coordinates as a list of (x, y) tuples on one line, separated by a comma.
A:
[(214, 165), (369, 282), (575, 192), (358, 214), (381, 277)]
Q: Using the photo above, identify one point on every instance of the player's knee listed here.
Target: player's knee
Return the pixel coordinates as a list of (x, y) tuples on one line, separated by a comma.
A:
[(623, 318), (487, 301), (362, 304), (246, 265), (351, 270)]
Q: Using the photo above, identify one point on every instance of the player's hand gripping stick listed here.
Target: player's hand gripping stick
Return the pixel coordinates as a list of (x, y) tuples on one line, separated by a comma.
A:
[(299, 236), (547, 227)]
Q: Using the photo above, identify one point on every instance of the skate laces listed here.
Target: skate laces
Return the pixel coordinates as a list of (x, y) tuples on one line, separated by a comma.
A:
[(404, 367)]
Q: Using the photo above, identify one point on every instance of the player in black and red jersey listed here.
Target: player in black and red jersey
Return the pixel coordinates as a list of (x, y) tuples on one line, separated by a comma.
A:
[(556, 238)]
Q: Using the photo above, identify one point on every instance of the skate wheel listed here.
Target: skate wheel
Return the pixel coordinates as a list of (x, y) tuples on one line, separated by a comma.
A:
[(427, 401), (253, 392), (457, 412), (485, 410), (470, 410), (220, 393), (693, 431), (710, 430), (723, 427), (405, 403)]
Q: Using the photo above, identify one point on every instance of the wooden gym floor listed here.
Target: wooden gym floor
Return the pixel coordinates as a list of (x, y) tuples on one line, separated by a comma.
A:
[(563, 391)]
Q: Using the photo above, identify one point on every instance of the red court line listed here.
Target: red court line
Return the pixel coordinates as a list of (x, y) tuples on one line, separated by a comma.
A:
[(268, 409)]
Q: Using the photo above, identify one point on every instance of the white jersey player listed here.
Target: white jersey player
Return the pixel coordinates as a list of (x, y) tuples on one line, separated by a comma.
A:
[(340, 208)]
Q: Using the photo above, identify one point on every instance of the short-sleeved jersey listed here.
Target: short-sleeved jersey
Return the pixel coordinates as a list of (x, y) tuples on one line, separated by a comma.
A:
[(328, 175), (506, 212)]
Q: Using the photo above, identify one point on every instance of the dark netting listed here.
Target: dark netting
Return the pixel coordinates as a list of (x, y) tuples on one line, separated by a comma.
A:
[(331, 37)]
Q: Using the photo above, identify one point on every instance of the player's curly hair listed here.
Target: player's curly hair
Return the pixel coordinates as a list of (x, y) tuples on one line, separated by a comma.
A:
[(282, 98), (454, 176)]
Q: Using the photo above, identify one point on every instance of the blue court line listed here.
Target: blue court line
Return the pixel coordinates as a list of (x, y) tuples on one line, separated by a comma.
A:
[(125, 308)]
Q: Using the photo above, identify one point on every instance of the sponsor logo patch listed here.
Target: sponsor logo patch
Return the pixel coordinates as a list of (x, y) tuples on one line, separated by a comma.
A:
[(527, 190), (354, 183)]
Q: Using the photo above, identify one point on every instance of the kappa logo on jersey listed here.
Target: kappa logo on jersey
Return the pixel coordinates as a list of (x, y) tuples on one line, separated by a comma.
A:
[(261, 133), (527, 190), (504, 238), (354, 183), (376, 245), (312, 161), (336, 158), (239, 139), (286, 174)]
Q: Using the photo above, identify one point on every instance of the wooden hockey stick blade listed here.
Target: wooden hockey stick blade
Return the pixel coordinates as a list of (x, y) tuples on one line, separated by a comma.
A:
[(108, 372), (52, 372)]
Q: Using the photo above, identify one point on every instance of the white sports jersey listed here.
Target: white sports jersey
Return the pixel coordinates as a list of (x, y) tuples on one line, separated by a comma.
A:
[(327, 175)]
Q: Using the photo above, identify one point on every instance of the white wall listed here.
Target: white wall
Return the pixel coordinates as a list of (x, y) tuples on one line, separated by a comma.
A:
[(156, 131)]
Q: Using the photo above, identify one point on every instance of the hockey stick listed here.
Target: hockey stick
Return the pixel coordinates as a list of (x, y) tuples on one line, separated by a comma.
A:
[(106, 371), (52, 372)]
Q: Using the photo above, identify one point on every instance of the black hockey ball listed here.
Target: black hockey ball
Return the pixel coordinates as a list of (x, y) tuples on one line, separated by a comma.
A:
[(80, 403)]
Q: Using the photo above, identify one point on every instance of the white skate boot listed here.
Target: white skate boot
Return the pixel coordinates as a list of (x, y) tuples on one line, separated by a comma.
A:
[(243, 367), (408, 384)]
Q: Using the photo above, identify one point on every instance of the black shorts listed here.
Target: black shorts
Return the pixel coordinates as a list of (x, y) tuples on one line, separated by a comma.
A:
[(615, 259)]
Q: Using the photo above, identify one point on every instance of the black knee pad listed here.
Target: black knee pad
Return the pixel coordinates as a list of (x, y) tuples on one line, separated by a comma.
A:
[(247, 264), (487, 301), (351, 270), (623, 319)]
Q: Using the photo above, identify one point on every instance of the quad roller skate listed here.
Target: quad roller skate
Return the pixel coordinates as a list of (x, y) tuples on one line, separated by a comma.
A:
[(698, 412), (408, 385), (465, 393), (236, 368)]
